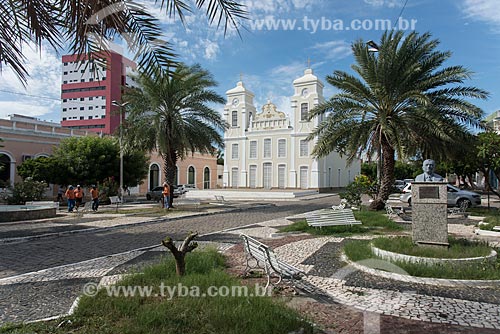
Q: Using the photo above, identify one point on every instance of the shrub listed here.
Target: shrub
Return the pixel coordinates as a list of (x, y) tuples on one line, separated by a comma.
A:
[(361, 185), (27, 190)]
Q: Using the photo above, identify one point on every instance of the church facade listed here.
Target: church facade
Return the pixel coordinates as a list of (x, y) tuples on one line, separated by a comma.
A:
[(269, 149)]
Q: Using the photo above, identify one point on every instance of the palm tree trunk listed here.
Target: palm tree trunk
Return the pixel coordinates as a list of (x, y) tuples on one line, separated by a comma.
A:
[(387, 177), (170, 169)]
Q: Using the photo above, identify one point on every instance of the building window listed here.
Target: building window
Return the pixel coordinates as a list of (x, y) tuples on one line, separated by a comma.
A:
[(234, 151), (65, 81), (90, 117), (234, 177), (253, 149), (304, 171), (82, 118), (281, 176), (304, 109), (281, 148), (267, 148), (154, 176), (304, 148), (103, 78), (253, 176), (82, 99), (91, 98), (65, 100), (91, 79), (81, 108), (64, 109), (267, 175), (65, 73), (234, 118), (82, 80), (64, 118), (82, 71), (65, 64), (206, 178), (103, 107), (91, 108), (191, 176)]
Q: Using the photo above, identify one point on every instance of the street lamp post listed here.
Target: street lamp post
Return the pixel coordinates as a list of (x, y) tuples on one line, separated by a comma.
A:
[(120, 106)]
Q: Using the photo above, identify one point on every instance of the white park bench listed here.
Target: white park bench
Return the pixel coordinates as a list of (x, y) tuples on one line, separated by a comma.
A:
[(219, 198), (330, 217), (266, 259), (85, 209), (115, 200), (341, 206), (393, 211), (461, 210)]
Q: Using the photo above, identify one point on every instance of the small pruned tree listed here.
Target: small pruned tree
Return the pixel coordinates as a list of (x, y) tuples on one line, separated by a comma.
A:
[(179, 254), (27, 190)]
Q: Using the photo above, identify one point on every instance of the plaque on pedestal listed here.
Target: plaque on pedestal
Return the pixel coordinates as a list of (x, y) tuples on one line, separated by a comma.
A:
[(429, 213)]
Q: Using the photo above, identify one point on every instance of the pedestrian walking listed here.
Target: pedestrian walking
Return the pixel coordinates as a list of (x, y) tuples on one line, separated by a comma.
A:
[(60, 193), (70, 195), (78, 196), (166, 195), (94, 193)]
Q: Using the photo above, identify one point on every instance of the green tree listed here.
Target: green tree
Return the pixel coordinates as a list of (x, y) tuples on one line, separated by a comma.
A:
[(402, 101), (488, 157), (88, 25), (27, 190), (170, 115), (87, 160)]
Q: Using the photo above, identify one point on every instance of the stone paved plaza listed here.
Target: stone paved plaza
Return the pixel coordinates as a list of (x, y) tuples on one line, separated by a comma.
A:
[(42, 275)]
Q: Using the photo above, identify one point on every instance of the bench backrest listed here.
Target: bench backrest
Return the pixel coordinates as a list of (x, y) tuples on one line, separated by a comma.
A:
[(331, 216), (114, 199)]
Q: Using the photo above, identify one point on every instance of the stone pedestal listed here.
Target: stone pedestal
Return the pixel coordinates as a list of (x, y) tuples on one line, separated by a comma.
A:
[(429, 213)]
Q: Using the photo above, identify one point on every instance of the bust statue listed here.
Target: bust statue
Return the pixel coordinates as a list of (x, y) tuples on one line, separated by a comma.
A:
[(428, 175)]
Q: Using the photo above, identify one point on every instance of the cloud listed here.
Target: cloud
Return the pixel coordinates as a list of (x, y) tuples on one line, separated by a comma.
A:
[(28, 109), (43, 90), (482, 10), (333, 50), (385, 3)]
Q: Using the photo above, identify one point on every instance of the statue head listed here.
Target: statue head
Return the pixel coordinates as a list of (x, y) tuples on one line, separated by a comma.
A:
[(428, 166)]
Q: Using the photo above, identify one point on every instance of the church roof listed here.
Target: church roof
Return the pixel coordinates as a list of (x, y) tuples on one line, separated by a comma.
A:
[(238, 89), (306, 78)]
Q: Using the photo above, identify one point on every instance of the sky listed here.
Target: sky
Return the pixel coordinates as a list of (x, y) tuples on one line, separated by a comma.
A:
[(279, 38)]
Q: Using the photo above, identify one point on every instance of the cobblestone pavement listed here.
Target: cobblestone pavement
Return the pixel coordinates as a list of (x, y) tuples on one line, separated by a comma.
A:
[(47, 288)]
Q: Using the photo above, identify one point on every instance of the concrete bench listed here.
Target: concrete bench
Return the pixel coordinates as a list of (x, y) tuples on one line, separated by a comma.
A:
[(266, 259), (330, 217), (44, 203)]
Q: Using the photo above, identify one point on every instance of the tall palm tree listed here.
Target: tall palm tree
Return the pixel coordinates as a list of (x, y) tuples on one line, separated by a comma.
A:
[(169, 114), (402, 102), (87, 25)]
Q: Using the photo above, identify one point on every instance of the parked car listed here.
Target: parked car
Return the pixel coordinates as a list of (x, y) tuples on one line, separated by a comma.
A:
[(156, 193), (186, 187), (399, 185), (456, 196)]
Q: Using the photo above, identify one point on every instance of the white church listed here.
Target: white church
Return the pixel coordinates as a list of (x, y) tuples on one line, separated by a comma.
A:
[(269, 150)]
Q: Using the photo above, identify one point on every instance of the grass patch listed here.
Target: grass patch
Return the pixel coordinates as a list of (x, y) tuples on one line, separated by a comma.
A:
[(459, 248), (357, 250), (373, 222), (180, 314)]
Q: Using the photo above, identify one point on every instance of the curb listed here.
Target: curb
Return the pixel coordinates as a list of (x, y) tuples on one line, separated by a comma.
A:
[(116, 227)]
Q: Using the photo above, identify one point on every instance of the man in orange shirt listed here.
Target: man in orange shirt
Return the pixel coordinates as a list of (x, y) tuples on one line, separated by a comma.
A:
[(94, 193), (166, 195), (70, 195), (78, 196)]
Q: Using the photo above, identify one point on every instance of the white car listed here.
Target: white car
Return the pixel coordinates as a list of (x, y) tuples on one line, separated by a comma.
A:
[(456, 196)]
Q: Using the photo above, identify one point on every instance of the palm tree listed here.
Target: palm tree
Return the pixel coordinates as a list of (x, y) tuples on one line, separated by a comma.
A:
[(401, 102), (168, 113), (87, 25)]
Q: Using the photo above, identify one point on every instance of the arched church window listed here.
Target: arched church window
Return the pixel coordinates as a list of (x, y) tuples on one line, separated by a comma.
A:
[(154, 176), (191, 176)]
